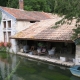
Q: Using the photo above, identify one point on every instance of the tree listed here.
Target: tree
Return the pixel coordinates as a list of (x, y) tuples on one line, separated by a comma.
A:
[(36, 5), (12, 3), (3, 3)]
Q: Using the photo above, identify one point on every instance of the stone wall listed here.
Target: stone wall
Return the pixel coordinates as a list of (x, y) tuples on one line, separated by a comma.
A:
[(21, 25), (77, 55), (16, 26), (6, 17)]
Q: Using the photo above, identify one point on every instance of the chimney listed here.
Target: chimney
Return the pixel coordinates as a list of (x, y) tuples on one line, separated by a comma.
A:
[(21, 4)]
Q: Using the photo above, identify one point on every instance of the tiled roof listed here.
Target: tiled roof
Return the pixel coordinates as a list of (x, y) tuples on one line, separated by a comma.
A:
[(44, 31), (27, 15)]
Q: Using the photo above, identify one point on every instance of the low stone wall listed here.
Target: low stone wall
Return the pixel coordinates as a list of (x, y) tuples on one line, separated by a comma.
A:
[(47, 59)]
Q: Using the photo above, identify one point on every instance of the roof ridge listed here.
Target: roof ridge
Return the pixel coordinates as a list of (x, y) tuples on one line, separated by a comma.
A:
[(12, 8), (26, 15), (25, 10), (22, 9)]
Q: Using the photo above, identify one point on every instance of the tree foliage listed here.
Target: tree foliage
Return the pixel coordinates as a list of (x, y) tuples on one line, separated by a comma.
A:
[(3, 3), (37, 5), (70, 8), (12, 3)]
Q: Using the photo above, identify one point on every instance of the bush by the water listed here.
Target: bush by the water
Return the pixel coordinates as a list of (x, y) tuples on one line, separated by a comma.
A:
[(4, 45)]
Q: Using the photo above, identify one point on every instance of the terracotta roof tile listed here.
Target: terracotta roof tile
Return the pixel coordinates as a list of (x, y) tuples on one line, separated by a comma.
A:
[(43, 30), (27, 15)]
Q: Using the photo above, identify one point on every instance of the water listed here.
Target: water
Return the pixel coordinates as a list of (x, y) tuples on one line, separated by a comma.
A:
[(14, 67)]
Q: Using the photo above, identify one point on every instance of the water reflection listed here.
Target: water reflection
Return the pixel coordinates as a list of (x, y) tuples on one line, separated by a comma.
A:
[(28, 69), (7, 65), (62, 67), (51, 67)]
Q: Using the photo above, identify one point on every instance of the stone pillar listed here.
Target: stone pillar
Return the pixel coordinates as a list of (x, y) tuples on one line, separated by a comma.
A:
[(77, 55)]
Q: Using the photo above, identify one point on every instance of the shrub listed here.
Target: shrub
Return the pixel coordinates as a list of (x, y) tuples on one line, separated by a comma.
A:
[(5, 44), (1, 44), (8, 44)]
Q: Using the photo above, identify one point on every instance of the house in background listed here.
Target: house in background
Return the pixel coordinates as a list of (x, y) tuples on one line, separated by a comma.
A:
[(15, 20), (36, 26), (59, 36)]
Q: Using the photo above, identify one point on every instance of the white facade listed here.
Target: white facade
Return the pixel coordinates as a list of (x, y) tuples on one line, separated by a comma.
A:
[(21, 25), (10, 26), (6, 30)]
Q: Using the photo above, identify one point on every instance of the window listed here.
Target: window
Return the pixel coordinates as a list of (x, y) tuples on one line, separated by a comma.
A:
[(4, 24), (9, 34), (9, 24), (5, 37)]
